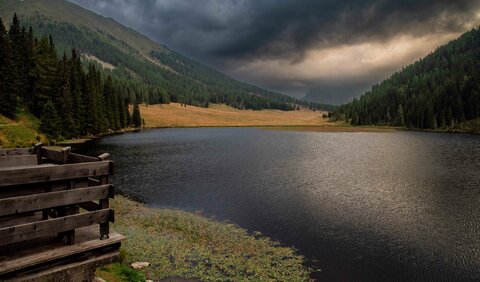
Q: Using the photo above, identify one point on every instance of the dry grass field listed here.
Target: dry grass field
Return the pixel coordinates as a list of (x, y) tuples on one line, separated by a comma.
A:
[(174, 115), (336, 127)]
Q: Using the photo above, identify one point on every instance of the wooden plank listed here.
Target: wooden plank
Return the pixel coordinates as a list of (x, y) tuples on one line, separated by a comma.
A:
[(57, 156), (43, 187), (53, 173), (70, 269), (34, 166), (47, 227), (76, 158), (57, 253), (38, 202), (16, 152), (18, 160), (6, 221)]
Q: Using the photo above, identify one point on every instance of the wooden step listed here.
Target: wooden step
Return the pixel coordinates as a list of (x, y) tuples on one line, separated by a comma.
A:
[(53, 251)]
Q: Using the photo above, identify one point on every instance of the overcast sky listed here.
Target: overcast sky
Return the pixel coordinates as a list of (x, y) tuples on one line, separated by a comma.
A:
[(334, 48)]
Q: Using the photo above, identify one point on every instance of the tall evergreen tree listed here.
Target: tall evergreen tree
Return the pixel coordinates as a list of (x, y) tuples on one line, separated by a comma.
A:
[(122, 112), (127, 112), (49, 122), (8, 99), (77, 82), (111, 105), (64, 101), (400, 116), (45, 74), (16, 41), (28, 67), (136, 119)]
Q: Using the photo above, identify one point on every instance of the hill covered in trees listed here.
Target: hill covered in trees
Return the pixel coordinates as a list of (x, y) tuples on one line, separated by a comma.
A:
[(70, 98), (148, 70), (441, 91)]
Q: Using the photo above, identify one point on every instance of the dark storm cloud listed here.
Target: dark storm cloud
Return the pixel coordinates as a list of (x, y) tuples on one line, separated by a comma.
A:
[(232, 34), (273, 28)]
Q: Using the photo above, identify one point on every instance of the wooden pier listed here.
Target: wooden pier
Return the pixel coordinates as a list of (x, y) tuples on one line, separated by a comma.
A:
[(55, 215)]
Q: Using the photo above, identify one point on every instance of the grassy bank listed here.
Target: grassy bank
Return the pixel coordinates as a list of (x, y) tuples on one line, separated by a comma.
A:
[(22, 132), (181, 244)]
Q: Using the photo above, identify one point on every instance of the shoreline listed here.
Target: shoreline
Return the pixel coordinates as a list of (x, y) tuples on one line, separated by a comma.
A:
[(184, 244), (304, 128), (296, 128)]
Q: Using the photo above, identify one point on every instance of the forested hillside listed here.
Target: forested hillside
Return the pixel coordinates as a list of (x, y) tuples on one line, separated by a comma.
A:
[(69, 100), (440, 91), (155, 73)]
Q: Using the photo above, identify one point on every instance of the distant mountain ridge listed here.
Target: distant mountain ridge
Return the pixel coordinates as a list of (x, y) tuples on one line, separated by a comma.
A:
[(440, 91), (127, 55)]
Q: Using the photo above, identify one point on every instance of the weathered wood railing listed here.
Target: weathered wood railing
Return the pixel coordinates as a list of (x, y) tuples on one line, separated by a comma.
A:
[(49, 192)]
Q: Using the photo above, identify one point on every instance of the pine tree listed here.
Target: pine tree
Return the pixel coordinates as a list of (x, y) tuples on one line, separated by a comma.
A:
[(15, 32), (102, 125), (8, 98), (127, 112), (77, 82), (400, 116), (28, 79), (111, 105), (15, 35), (64, 100), (45, 74), (122, 115), (136, 119), (90, 102), (49, 122)]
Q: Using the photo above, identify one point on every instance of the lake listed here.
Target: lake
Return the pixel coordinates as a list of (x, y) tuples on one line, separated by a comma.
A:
[(360, 206)]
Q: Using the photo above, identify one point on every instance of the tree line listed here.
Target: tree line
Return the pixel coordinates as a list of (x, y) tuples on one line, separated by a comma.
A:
[(171, 78), (440, 91), (69, 98)]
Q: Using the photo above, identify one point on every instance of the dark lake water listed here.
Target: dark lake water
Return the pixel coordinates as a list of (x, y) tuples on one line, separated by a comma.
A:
[(401, 206)]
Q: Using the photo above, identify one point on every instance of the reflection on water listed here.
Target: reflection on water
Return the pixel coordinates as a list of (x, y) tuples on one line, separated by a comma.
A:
[(367, 206)]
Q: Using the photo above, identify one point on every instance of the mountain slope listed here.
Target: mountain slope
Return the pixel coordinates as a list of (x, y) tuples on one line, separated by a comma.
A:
[(440, 91), (128, 55)]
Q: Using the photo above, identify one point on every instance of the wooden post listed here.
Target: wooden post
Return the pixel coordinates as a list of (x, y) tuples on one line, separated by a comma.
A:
[(38, 150), (65, 154), (70, 235), (104, 203)]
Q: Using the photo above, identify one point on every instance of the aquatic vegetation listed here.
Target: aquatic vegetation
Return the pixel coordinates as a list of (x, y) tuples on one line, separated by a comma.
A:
[(182, 244)]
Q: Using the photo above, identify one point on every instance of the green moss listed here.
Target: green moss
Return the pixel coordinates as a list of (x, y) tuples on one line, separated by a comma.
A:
[(118, 272), (181, 244)]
